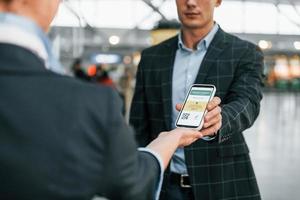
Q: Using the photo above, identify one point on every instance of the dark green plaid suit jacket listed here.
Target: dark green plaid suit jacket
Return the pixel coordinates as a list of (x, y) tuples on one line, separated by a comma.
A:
[(219, 169)]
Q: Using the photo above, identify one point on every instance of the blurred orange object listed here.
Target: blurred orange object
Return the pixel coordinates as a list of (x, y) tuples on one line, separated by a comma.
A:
[(92, 70)]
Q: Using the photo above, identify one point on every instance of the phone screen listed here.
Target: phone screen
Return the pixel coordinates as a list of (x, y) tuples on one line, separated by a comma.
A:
[(194, 107)]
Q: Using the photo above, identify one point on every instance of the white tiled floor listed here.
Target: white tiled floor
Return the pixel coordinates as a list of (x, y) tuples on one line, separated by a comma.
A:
[(274, 142)]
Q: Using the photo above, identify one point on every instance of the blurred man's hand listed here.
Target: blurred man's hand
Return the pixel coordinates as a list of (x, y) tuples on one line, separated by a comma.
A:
[(213, 118)]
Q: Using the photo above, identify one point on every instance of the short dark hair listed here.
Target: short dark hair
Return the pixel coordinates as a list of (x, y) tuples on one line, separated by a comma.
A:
[(6, 1)]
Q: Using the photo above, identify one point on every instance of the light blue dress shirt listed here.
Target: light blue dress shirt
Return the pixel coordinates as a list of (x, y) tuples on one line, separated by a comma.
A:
[(186, 66)]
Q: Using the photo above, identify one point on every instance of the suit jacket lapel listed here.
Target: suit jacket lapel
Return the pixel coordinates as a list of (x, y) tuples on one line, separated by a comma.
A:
[(216, 47), (167, 62)]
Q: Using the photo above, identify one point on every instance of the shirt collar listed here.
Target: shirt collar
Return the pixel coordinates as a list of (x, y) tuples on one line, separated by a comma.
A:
[(203, 44), (27, 31)]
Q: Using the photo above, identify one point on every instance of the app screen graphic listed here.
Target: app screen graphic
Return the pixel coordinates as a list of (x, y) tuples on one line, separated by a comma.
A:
[(194, 107)]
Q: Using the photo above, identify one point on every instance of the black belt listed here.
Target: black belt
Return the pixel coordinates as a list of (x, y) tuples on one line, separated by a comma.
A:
[(180, 179)]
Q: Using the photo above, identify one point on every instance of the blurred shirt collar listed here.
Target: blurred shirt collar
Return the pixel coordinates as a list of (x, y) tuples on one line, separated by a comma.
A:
[(202, 44), (23, 32)]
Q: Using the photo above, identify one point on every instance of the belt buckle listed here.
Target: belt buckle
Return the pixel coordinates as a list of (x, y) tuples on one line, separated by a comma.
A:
[(182, 183)]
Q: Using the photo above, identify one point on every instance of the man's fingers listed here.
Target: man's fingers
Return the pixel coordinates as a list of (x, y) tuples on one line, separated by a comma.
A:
[(195, 134), (215, 120), (216, 101), (211, 130), (189, 136), (179, 106), (198, 135), (212, 114)]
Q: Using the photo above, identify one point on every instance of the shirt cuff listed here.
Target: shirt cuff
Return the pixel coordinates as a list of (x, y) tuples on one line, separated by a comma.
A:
[(209, 138), (159, 160)]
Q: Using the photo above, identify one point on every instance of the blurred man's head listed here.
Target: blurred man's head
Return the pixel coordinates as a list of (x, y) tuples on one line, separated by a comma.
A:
[(40, 11), (195, 14)]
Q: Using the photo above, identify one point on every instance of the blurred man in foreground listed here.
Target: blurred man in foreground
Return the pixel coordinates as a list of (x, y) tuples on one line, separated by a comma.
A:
[(54, 144)]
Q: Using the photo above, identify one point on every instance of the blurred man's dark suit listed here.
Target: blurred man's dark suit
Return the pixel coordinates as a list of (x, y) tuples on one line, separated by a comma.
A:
[(61, 138), (221, 168)]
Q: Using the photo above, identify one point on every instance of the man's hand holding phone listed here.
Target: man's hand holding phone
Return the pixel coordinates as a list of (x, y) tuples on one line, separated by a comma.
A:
[(212, 119)]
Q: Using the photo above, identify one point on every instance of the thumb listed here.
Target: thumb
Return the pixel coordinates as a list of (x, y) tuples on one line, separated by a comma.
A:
[(178, 106)]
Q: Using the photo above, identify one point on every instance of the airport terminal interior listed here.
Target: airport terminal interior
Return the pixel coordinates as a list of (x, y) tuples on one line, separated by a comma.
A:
[(103, 39)]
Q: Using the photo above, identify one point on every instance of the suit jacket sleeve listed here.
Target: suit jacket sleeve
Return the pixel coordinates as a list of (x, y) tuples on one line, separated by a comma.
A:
[(242, 103), (130, 174), (139, 112)]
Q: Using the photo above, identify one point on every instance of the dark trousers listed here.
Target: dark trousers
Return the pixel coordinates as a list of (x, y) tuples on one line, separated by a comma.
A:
[(172, 190)]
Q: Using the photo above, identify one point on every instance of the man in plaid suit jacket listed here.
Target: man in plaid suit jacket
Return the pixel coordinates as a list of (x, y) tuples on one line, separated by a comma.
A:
[(218, 167)]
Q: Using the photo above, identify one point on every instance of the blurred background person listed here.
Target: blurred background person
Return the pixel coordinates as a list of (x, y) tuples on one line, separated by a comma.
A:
[(102, 76), (78, 70)]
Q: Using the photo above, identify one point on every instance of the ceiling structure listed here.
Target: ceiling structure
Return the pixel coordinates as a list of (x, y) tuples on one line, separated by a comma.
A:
[(260, 1), (158, 9), (74, 41), (271, 1)]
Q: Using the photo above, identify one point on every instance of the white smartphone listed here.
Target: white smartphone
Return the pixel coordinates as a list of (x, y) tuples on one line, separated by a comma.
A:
[(194, 107)]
